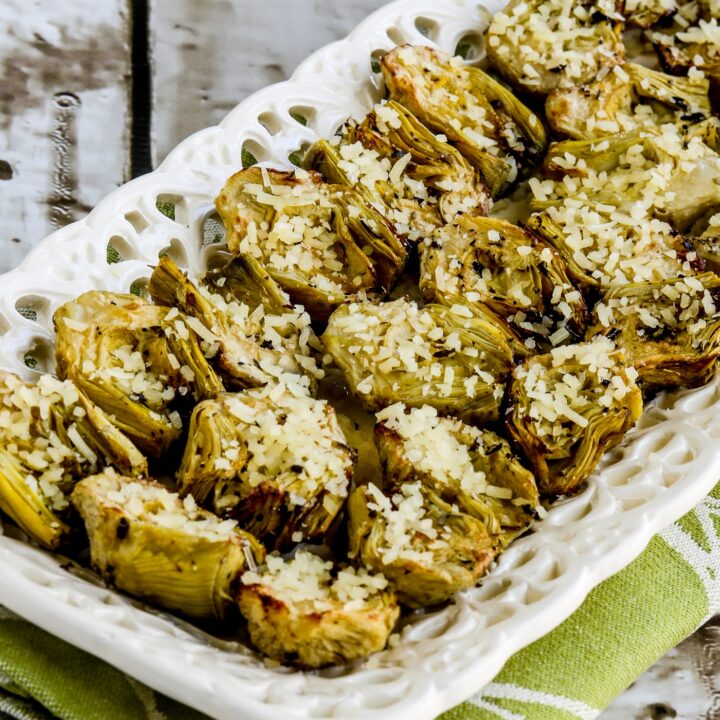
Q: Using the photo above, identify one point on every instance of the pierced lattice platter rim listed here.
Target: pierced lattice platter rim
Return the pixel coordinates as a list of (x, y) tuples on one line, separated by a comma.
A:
[(665, 467)]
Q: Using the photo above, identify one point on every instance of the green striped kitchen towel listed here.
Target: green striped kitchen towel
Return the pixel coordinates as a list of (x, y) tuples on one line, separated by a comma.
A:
[(572, 673)]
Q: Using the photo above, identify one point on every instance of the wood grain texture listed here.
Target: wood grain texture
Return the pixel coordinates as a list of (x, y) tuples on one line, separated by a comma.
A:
[(210, 56), (64, 74)]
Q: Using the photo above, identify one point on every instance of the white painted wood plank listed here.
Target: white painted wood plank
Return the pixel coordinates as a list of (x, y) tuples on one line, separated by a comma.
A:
[(210, 56), (64, 73)]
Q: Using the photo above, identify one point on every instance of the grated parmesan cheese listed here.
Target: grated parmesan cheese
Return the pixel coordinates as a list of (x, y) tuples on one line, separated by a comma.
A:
[(292, 440), (306, 583), (408, 527), (554, 43), (563, 385), (29, 416), (437, 446), (431, 351), (611, 222), (149, 502)]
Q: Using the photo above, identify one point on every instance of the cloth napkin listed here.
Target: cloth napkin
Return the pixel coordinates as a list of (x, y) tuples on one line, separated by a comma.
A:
[(622, 628)]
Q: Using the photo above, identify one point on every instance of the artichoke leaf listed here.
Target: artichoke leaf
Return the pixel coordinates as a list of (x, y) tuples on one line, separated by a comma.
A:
[(26, 505), (474, 470), (212, 436), (133, 360), (51, 437), (152, 431), (691, 40), (614, 208), (630, 97), (246, 281), (107, 441), (401, 167), (617, 170), (251, 347), (668, 330)]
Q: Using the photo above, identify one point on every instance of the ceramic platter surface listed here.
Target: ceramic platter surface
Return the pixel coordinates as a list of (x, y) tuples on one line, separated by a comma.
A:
[(665, 466)]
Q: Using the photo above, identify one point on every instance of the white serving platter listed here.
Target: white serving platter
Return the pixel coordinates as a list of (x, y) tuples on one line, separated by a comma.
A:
[(665, 467)]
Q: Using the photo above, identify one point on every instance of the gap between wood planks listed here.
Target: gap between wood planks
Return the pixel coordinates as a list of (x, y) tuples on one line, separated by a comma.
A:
[(141, 93)]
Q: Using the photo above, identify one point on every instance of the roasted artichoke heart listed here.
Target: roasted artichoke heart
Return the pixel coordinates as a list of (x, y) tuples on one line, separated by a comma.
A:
[(134, 360), (322, 243), (449, 358), (307, 611), (493, 263), (273, 459), (692, 41), (473, 469), (425, 547), (253, 347), (568, 407), (151, 544), (480, 116), (615, 214), (50, 437), (669, 330), (541, 45), (415, 178), (629, 97)]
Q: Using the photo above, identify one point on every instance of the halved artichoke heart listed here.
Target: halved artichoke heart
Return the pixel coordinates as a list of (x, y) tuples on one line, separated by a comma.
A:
[(50, 437), (692, 41), (449, 358), (669, 330), (134, 360), (568, 407), (499, 135), (427, 548), (275, 460), (487, 262), (252, 345), (615, 212), (415, 178), (148, 542), (322, 243), (310, 612), (541, 45), (472, 469), (628, 97)]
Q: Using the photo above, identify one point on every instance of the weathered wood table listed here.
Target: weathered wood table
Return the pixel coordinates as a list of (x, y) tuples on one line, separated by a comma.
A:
[(93, 92)]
